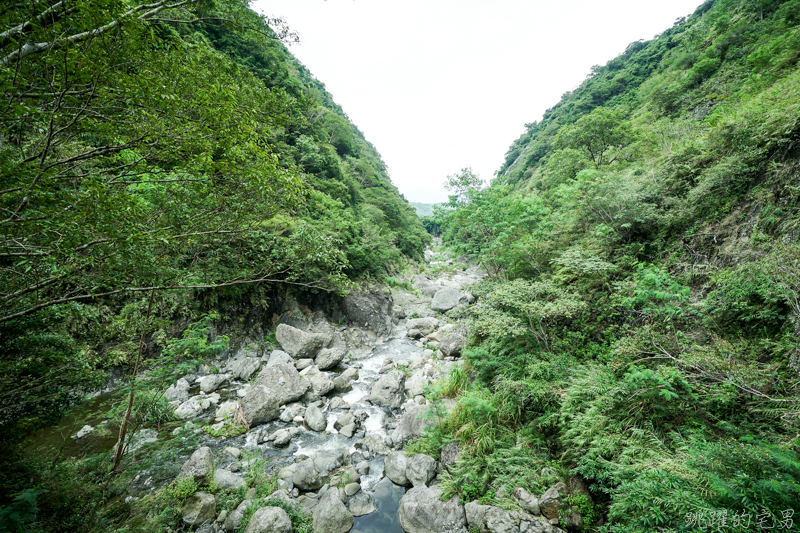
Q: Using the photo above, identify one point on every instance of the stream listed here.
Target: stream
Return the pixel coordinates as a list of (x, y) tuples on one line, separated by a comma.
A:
[(415, 351)]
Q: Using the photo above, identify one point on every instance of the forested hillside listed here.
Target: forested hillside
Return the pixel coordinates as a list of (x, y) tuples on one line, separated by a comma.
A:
[(641, 322), (157, 159)]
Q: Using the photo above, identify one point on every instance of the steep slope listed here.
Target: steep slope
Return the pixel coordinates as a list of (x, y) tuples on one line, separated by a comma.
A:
[(640, 329)]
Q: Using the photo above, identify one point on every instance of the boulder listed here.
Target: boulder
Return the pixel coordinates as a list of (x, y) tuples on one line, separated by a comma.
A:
[(422, 511), (234, 520), (350, 373), (388, 390), (525, 500), (550, 502), (414, 421), (415, 385), (348, 430), (298, 343), (284, 381), (199, 466), (199, 508), (361, 504), (227, 410), (452, 344), (282, 438), (419, 327), (370, 308), (447, 298), (330, 514), (341, 384), (269, 520), (343, 420), (245, 367), (260, 405), (352, 488), (306, 477), (190, 408), (302, 364), (395, 467), (329, 358), (212, 382), (450, 455), (178, 392), (489, 519), (314, 419), (279, 357), (225, 479), (319, 382), (420, 469)]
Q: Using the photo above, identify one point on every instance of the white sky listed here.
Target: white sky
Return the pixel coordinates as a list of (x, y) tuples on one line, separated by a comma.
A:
[(438, 85)]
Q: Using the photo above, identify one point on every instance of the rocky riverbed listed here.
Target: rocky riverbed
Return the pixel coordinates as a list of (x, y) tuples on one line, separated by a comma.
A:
[(329, 411)]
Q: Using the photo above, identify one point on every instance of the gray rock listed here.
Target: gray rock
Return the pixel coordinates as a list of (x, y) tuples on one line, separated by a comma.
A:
[(282, 438), (450, 454), (227, 410), (363, 468), (244, 368), (388, 390), (233, 452), (338, 403), (343, 420), (348, 430), (352, 488), (329, 358), (342, 384), (452, 344), (199, 508), (415, 385), (499, 521), (420, 469), (524, 499), (447, 298), (284, 381), (199, 466), (226, 479), (234, 520), (350, 373), (361, 504), (550, 502), (475, 514), (306, 477), (395, 468), (314, 419), (422, 511), (269, 520), (414, 421), (419, 327), (330, 514), (321, 384), (190, 408), (298, 343), (211, 382), (370, 308), (178, 392), (279, 357), (302, 364), (260, 405)]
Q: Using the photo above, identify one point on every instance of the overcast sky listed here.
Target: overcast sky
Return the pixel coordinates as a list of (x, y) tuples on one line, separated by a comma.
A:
[(438, 85)]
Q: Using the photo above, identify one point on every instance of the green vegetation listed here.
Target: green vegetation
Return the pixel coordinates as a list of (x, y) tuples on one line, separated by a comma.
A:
[(640, 323), (158, 162)]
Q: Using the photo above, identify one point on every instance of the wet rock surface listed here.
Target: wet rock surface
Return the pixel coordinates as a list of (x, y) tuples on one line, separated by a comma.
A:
[(329, 412)]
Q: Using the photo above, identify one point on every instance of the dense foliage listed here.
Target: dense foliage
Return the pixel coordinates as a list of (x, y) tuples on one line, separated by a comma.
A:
[(172, 149), (640, 323)]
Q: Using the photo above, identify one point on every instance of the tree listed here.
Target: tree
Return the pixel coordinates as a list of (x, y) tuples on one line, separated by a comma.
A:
[(129, 155), (601, 135)]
